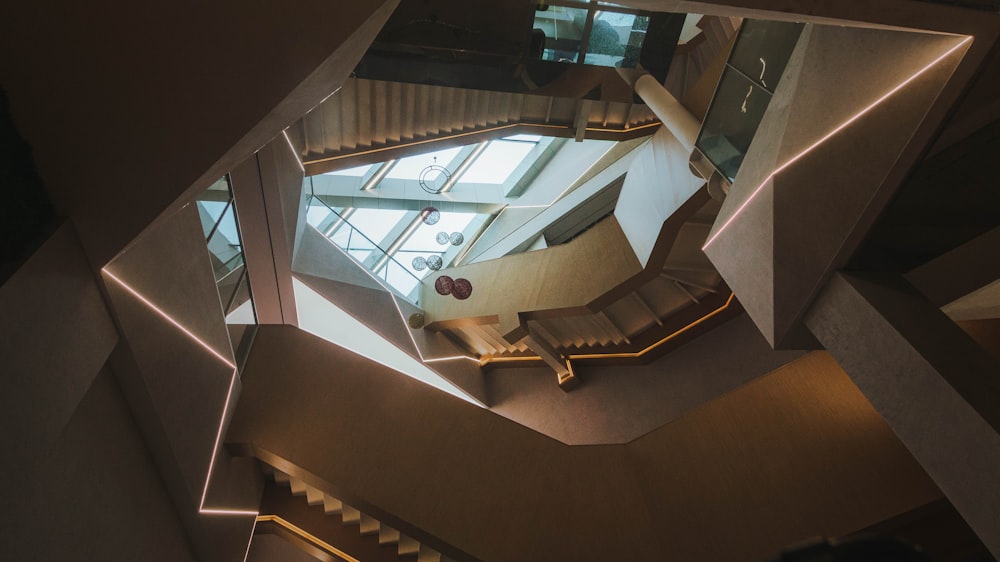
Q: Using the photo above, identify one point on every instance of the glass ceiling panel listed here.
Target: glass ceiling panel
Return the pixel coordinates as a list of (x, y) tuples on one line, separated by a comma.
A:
[(376, 223), (353, 172), (409, 168), (497, 162), (524, 138)]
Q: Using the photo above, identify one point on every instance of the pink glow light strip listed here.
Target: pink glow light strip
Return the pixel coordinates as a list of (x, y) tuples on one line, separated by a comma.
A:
[(830, 134), (225, 409), (169, 319)]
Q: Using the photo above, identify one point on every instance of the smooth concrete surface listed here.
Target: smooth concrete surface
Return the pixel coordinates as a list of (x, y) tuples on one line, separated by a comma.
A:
[(93, 494), (262, 271), (130, 113), (273, 548), (794, 454), (787, 231), (681, 123), (588, 267), (959, 273), (330, 272), (285, 202), (617, 404), (56, 336), (936, 388), (983, 304), (178, 376), (658, 183)]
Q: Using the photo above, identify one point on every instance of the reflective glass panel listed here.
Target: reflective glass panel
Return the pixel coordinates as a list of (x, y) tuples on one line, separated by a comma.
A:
[(763, 50), (732, 121), (563, 28), (616, 39)]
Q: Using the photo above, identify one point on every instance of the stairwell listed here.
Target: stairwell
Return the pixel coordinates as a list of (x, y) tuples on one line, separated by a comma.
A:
[(390, 541)]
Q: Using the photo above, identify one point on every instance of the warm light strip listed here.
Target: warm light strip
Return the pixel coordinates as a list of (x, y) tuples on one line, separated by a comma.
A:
[(168, 318), (378, 176), (250, 540), (459, 135), (316, 541), (294, 154), (225, 410), (211, 464), (469, 160), (830, 134), (704, 318), (398, 243), (630, 355)]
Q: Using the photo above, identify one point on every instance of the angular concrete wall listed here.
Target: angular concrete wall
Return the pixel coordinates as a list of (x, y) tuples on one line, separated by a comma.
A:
[(795, 454), (132, 112), (822, 165), (79, 481)]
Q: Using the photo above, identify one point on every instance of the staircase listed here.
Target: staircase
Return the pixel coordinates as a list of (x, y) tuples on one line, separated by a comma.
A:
[(366, 114), (685, 280), (693, 58), (367, 525)]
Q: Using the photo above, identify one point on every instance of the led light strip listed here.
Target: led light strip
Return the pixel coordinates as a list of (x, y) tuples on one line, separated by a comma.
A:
[(169, 319), (298, 160), (303, 534), (630, 355), (528, 126), (830, 134), (225, 410)]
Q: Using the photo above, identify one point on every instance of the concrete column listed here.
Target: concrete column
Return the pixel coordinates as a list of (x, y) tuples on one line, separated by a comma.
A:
[(681, 122), (935, 387)]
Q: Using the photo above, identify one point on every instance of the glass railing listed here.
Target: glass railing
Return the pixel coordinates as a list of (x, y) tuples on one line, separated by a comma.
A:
[(217, 211), (337, 228), (752, 72)]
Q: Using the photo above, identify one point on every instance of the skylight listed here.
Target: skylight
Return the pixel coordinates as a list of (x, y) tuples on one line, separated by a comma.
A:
[(409, 168), (356, 172), (498, 161)]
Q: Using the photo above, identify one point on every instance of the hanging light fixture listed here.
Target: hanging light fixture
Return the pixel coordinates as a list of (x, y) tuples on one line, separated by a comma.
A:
[(430, 215), (434, 178)]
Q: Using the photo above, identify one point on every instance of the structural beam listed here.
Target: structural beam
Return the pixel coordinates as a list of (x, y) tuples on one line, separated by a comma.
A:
[(675, 117), (935, 387)]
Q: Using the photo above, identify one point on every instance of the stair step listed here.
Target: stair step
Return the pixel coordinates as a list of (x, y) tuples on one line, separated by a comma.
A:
[(408, 546), (369, 525), (331, 505), (387, 535), (281, 477), (350, 516), (313, 496), (715, 33), (428, 554), (298, 487)]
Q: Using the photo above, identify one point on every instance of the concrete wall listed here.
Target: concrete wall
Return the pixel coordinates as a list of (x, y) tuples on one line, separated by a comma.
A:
[(796, 210), (617, 404), (795, 454), (131, 112), (79, 481)]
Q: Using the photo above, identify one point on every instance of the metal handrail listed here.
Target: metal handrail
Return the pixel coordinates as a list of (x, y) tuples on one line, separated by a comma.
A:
[(313, 196)]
